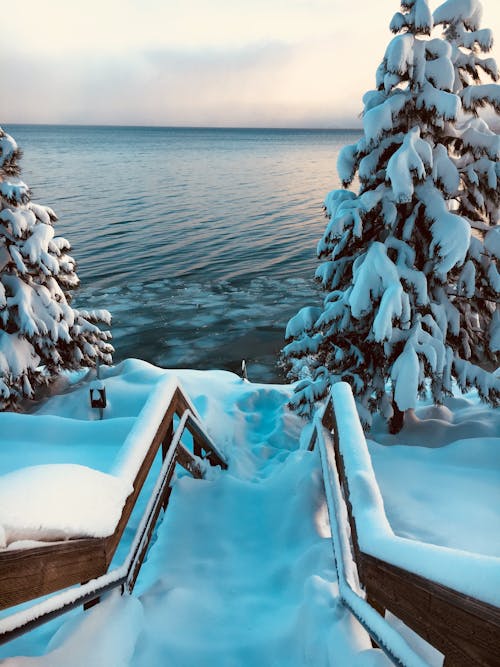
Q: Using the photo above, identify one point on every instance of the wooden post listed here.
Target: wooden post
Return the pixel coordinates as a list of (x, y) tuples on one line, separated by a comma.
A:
[(167, 439), (197, 446)]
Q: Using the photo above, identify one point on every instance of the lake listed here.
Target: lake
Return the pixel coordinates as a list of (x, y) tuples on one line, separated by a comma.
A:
[(201, 242)]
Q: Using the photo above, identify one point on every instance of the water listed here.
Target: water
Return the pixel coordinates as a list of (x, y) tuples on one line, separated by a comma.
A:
[(201, 242)]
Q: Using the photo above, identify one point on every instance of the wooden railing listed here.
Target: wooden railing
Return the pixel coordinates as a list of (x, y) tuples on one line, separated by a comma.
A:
[(464, 629), (27, 574)]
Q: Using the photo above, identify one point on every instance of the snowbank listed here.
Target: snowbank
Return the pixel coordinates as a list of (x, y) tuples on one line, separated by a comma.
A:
[(123, 619), (62, 500), (59, 501)]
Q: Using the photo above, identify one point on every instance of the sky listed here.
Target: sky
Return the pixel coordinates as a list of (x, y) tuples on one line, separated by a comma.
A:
[(251, 63)]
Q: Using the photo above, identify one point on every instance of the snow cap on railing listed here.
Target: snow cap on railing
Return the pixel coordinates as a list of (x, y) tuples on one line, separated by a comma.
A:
[(365, 495), (138, 441)]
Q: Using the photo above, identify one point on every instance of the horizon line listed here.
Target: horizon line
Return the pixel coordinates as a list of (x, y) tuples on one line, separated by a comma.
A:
[(187, 127)]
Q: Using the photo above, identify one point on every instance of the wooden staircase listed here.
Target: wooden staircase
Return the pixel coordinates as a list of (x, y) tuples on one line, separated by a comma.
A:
[(78, 572), (28, 574)]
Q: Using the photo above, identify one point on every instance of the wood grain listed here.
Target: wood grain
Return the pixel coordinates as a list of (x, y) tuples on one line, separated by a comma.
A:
[(26, 574), (465, 630)]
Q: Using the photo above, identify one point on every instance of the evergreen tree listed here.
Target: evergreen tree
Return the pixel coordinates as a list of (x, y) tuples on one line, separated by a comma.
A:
[(475, 150), (40, 333), (396, 254)]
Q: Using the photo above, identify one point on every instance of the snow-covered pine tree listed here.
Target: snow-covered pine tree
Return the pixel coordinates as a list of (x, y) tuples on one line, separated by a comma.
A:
[(475, 149), (40, 333), (395, 253)]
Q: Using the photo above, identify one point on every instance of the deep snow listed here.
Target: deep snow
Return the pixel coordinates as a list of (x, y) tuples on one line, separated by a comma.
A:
[(242, 572)]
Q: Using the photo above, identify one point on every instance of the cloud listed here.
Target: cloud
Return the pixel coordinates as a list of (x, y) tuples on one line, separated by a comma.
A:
[(267, 83), (191, 62)]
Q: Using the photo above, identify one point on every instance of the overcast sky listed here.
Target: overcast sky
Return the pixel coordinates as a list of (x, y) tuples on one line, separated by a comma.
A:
[(274, 63)]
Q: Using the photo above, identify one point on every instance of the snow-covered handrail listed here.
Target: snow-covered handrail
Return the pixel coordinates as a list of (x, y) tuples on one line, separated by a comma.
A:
[(30, 573), (443, 565), (416, 581), (351, 592)]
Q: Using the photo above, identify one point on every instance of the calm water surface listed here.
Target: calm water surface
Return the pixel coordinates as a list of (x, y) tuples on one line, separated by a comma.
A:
[(201, 242)]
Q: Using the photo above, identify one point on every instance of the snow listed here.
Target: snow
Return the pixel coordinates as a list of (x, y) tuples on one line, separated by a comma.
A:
[(14, 190), (440, 72), (376, 276), (303, 321), (492, 242), (399, 54), (465, 472), (480, 139), (59, 501), (94, 499), (123, 619), (450, 233), (410, 161), (16, 354), (241, 570), (483, 38), (444, 171), (8, 147), (445, 105), (422, 16), (346, 162), (468, 12), (405, 375), (379, 119), (144, 429)]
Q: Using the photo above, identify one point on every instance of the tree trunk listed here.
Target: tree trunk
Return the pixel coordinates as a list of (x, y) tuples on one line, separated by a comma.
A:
[(397, 420)]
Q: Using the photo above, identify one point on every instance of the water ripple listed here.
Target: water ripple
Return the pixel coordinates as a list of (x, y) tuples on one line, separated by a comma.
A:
[(185, 209)]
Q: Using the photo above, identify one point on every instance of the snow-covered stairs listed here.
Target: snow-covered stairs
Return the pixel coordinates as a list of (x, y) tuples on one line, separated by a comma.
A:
[(240, 573)]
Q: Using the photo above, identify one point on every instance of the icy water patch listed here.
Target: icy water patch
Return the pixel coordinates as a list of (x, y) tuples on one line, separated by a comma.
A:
[(184, 324)]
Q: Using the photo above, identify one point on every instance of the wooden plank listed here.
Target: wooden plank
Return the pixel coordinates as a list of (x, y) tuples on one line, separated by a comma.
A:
[(197, 446), (188, 462), (33, 623), (212, 454), (465, 630), (167, 440), (161, 503), (26, 574), (328, 419), (165, 427), (180, 402), (200, 439), (312, 440), (30, 573)]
